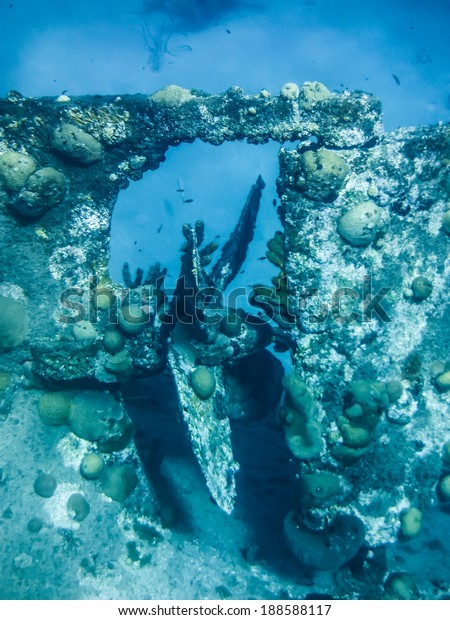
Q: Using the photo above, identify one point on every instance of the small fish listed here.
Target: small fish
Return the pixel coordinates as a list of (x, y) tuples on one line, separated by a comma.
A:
[(241, 272), (41, 233), (262, 258), (139, 250), (229, 31), (217, 236), (180, 187), (274, 202), (135, 243), (159, 230), (396, 79), (188, 200)]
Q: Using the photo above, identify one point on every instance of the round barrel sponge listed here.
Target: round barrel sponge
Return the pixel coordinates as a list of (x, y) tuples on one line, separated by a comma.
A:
[(92, 466), (444, 488), (35, 525), (45, 485), (302, 429), (15, 169), (172, 96), (54, 408), (401, 586), (119, 481), (133, 319), (119, 364), (326, 549), (319, 488), (113, 341), (76, 144), (78, 507), (363, 224), (97, 416), (290, 91), (410, 522), (312, 93), (203, 382), (45, 189), (84, 330), (323, 174), (421, 288)]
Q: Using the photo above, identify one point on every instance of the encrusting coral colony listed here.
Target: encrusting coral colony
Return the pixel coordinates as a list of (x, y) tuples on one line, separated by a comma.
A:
[(361, 302)]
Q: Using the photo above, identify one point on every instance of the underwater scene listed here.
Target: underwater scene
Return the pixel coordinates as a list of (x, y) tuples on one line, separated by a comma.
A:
[(224, 300)]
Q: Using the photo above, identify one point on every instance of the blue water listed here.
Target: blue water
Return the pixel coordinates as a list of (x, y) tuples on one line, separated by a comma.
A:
[(398, 51), (97, 47)]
